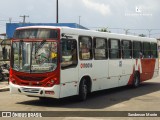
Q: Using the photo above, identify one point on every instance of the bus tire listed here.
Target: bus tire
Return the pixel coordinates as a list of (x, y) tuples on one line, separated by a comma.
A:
[(83, 90), (136, 80)]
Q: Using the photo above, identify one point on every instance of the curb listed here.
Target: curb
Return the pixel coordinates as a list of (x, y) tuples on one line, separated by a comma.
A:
[(4, 89)]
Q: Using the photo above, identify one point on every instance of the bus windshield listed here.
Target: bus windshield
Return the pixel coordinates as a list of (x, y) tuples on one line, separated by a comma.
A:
[(34, 57)]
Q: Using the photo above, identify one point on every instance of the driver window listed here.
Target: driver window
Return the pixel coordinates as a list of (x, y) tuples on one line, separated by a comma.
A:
[(69, 53)]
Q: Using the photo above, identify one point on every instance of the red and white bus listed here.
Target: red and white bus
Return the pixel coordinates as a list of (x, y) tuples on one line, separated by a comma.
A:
[(58, 62)]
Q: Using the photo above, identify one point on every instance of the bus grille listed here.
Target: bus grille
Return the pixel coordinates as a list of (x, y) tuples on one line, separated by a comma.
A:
[(28, 78), (31, 90)]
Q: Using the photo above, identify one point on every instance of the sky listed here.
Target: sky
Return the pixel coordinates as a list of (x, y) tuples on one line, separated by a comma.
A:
[(119, 16)]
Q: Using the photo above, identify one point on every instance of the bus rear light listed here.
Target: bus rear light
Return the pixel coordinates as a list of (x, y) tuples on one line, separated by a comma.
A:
[(49, 92)]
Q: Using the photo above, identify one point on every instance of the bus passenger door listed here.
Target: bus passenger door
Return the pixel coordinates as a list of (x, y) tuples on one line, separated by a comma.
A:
[(115, 62), (115, 70), (127, 63), (69, 69), (100, 64)]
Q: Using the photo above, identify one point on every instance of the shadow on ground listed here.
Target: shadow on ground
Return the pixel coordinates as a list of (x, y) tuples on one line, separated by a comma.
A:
[(100, 99)]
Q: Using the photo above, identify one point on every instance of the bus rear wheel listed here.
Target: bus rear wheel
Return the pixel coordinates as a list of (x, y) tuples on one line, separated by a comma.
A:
[(83, 90), (136, 80)]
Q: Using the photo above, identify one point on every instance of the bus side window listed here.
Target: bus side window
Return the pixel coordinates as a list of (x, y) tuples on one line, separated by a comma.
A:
[(137, 50), (126, 46), (146, 50), (85, 48), (114, 49), (69, 53), (100, 48), (154, 53)]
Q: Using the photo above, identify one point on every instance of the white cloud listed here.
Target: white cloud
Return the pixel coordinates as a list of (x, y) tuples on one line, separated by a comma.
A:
[(99, 7)]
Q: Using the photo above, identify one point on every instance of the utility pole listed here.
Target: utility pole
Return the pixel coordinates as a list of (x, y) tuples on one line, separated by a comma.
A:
[(149, 32), (79, 20), (24, 18), (10, 20), (126, 31), (57, 13)]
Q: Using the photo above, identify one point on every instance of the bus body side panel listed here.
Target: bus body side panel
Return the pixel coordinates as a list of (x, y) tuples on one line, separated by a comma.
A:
[(100, 75), (156, 70), (148, 68), (69, 82), (115, 70), (127, 71), (86, 69)]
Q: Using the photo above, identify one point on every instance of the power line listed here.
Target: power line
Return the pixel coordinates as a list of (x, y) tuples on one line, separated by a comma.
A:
[(4, 20), (155, 34), (126, 28)]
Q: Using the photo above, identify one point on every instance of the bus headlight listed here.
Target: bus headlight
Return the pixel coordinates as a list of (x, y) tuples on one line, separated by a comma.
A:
[(48, 85), (52, 81)]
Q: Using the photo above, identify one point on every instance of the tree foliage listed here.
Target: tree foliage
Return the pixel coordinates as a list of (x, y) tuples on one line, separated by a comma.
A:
[(142, 35), (104, 30)]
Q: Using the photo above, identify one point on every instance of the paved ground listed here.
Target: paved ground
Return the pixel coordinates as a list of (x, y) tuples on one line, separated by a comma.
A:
[(4, 86), (144, 98)]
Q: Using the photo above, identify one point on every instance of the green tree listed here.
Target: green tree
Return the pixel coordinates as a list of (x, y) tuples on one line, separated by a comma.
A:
[(104, 30), (142, 35)]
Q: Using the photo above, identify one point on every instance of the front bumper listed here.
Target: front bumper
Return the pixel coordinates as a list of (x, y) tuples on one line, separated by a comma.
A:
[(35, 91)]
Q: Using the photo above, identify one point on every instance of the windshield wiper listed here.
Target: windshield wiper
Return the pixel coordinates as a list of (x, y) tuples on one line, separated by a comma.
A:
[(40, 46)]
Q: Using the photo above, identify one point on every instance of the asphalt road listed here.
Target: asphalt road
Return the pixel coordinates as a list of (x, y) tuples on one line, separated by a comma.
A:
[(144, 98)]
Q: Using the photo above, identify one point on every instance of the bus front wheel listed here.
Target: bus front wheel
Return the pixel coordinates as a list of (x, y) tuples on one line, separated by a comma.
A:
[(83, 90)]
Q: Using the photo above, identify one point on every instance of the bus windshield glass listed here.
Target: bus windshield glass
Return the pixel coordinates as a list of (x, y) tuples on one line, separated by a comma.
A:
[(36, 33), (34, 57)]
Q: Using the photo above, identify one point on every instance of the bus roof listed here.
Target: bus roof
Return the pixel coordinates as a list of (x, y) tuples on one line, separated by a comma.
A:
[(93, 33)]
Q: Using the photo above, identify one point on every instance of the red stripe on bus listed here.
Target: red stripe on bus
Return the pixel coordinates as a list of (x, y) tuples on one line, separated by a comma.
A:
[(148, 66)]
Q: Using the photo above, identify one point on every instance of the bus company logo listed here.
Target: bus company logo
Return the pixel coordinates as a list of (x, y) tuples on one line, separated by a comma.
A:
[(86, 65), (139, 11)]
